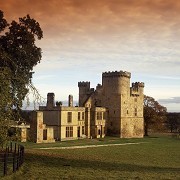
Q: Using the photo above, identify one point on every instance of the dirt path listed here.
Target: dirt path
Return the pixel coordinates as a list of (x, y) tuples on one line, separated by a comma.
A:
[(90, 146)]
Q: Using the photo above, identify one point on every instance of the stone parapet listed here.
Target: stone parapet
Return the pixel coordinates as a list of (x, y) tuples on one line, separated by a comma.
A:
[(137, 84), (84, 84), (116, 74), (66, 108)]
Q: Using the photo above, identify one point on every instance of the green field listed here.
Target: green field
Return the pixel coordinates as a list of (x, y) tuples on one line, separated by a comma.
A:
[(153, 158)]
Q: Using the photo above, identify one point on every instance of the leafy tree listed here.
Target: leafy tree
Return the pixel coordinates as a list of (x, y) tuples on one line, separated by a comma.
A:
[(18, 56), (58, 103), (154, 114), (173, 122)]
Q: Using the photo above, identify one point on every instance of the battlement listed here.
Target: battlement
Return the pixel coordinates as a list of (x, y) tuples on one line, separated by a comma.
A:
[(116, 74), (135, 88), (137, 84), (84, 84)]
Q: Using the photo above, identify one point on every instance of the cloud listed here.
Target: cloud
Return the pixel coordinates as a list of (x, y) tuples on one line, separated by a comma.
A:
[(62, 16), (170, 100), (45, 77), (83, 38), (97, 23)]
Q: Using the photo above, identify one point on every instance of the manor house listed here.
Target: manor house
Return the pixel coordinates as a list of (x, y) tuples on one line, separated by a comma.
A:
[(114, 108)]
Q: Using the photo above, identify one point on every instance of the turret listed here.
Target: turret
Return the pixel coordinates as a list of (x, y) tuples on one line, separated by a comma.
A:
[(137, 89), (116, 82), (84, 88)]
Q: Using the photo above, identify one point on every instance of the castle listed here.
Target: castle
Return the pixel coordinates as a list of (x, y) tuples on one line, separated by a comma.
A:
[(113, 108)]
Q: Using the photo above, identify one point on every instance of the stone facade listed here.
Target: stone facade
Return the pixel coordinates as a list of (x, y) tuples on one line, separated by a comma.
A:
[(23, 134), (23, 129), (124, 103), (71, 122), (40, 133), (113, 108)]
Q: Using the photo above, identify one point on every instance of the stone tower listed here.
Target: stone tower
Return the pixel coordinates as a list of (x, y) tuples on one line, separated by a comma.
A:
[(116, 93), (124, 103), (84, 88)]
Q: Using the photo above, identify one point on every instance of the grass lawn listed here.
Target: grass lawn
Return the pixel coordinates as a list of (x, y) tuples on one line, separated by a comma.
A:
[(154, 158)]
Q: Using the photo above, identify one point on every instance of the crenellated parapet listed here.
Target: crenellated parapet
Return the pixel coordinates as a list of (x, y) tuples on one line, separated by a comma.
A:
[(136, 88), (116, 74), (84, 91), (137, 84), (84, 84)]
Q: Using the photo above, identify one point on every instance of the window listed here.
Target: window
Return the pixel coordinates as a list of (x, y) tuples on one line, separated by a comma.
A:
[(83, 130), (44, 134), (69, 131), (135, 111), (83, 115), (99, 115), (79, 115), (69, 117), (78, 131)]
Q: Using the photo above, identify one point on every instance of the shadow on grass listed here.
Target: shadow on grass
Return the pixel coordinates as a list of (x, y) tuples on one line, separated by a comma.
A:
[(58, 162)]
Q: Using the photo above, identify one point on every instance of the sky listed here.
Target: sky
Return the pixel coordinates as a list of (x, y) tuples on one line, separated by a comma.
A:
[(83, 38)]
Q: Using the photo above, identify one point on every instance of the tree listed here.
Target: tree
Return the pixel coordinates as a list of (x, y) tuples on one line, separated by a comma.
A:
[(58, 103), (173, 122), (18, 56), (154, 114)]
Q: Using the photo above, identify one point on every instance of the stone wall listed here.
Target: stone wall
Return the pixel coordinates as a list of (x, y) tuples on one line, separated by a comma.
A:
[(39, 132), (124, 103)]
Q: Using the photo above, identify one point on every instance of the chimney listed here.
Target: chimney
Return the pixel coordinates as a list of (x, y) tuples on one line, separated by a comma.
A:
[(70, 101)]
